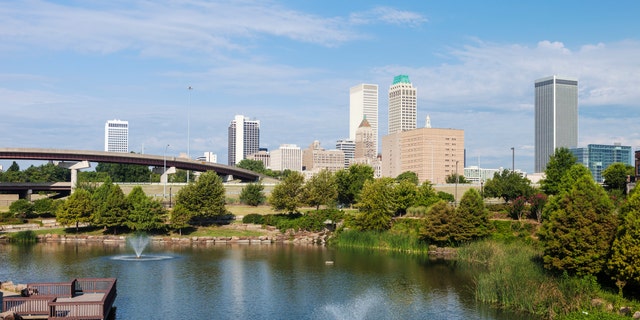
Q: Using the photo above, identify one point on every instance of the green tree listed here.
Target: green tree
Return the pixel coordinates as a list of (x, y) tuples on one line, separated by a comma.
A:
[(559, 163), (112, 213), (438, 224), (624, 263), (253, 194), (405, 195), (508, 185), (287, 194), (408, 176), (253, 165), (146, 214), (77, 209), (179, 218), (351, 181), (472, 217), (377, 205), (456, 178), (125, 172), (320, 189), (577, 235), (44, 206), (205, 198), (13, 174), (426, 195), (22, 208), (445, 196), (615, 176)]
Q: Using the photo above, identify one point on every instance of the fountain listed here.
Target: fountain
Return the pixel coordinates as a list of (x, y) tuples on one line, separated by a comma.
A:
[(139, 242)]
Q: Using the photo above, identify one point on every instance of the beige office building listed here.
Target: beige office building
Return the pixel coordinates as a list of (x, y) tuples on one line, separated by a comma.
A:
[(363, 104), (316, 158), (288, 156), (431, 153)]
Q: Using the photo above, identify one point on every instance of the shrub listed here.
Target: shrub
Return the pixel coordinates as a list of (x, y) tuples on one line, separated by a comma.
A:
[(27, 236), (253, 218)]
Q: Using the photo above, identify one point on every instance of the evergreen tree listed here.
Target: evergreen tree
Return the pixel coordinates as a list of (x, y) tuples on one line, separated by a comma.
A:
[(287, 194), (146, 214), (76, 209), (576, 235), (377, 205), (405, 195), (426, 195), (438, 224), (112, 213), (351, 181), (321, 189), (624, 263), (179, 218), (559, 163), (472, 218), (253, 194), (204, 198)]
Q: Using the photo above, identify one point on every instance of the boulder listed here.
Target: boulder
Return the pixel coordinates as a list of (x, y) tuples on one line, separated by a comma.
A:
[(9, 315), (636, 315)]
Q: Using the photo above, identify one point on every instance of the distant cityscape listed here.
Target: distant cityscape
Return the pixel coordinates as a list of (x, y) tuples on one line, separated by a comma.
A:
[(431, 153)]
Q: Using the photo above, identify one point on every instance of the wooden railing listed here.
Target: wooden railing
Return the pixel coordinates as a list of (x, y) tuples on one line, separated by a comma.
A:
[(35, 305), (58, 289)]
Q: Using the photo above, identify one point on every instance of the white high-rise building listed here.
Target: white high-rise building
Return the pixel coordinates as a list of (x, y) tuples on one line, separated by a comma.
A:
[(348, 147), (403, 105), (288, 156), (363, 103), (244, 139), (116, 136), (556, 114)]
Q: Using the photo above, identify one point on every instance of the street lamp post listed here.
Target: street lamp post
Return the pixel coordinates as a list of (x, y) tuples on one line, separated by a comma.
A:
[(513, 159), (188, 131), (164, 172), (456, 198)]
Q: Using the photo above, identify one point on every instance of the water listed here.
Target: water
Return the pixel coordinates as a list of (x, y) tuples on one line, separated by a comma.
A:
[(258, 281)]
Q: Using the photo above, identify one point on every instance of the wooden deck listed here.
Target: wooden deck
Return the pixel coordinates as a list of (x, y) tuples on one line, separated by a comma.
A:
[(85, 298)]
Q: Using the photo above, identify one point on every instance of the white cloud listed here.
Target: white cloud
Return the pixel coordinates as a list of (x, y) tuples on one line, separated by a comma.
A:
[(388, 15)]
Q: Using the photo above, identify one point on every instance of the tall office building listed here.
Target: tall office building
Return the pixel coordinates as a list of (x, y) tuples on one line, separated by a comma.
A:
[(364, 144), (348, 147), (403, 105), (288, 156), (598, 157), (363, 103), (244, 138), (116, 136), (556, 114), (316, 158)]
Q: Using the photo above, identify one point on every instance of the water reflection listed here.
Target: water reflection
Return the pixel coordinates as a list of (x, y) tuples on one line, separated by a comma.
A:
[(259, 281)]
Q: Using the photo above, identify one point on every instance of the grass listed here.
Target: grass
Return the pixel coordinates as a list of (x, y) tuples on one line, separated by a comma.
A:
[(379, 240), (222, 232)]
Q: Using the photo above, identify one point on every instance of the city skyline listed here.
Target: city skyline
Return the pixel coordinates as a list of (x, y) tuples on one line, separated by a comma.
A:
[(70, 66)]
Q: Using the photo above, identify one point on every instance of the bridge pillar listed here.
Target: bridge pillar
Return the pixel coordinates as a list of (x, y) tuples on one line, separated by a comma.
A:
[(74, 166), (164, 178)]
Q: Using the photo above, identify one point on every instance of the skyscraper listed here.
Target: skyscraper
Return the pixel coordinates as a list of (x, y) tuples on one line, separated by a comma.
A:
[(363, 102), (403, 105), (556, 117), (348, 147), (598, 157), (364, 144), (244, 138), (116, 136)]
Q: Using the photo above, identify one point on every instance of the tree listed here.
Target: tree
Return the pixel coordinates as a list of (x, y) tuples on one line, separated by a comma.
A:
[(351, 181), (76, 209), (377, 205), (472, 218), (320, 189), (204, 198), (577, 234), (559, 163), (408, 176), (287, 194), (22, 208), (537, 202), (252, 194), (615, 176), (624, 263), (179, 218), (405, 195), (13, 174), (426, 195), (112, 213), (438, 224), (253, 165), (125, 172), (508, 185), (45, 206), (146, 214), (456, 178)]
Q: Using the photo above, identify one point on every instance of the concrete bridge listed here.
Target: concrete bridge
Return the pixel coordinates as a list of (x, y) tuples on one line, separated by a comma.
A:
[(80, 159)]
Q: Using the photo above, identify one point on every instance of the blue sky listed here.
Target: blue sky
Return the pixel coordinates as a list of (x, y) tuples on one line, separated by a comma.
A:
[(66, 67)]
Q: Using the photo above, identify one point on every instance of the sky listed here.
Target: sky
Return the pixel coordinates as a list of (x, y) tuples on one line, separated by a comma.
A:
[(66, 67)]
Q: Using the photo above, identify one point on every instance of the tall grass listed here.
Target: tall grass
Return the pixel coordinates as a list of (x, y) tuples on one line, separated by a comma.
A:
[(379, 240), (516, 280), (27, 236)]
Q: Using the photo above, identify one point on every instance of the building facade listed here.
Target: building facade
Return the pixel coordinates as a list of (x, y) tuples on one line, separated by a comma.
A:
[(286, 157), (244, 139), (263, 156), (431, 153), (365, 143), (598, 157), (316, 158), (348, 147), (403, 105), (208, 157), (363, 103), (116, 136), (556, 117)]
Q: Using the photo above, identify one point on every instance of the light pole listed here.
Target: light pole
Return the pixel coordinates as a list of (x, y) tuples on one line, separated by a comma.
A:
[(513, 159), (188, 131), (456, 198), (164, 172)]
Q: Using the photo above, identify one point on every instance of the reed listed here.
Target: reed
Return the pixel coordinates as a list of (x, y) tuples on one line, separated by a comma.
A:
[(379, 240), (27, 236)]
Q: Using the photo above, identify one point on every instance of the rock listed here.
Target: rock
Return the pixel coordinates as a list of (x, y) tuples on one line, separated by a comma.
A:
[(9, 315), (598, 303), (625, 311), (636, 315)]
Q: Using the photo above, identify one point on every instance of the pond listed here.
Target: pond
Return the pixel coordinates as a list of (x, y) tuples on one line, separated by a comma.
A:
[(258, 281)]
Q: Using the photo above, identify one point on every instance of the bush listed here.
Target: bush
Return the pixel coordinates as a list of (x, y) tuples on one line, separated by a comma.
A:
[(253, 218), (310, 221), (416, 211), (27, 236)]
